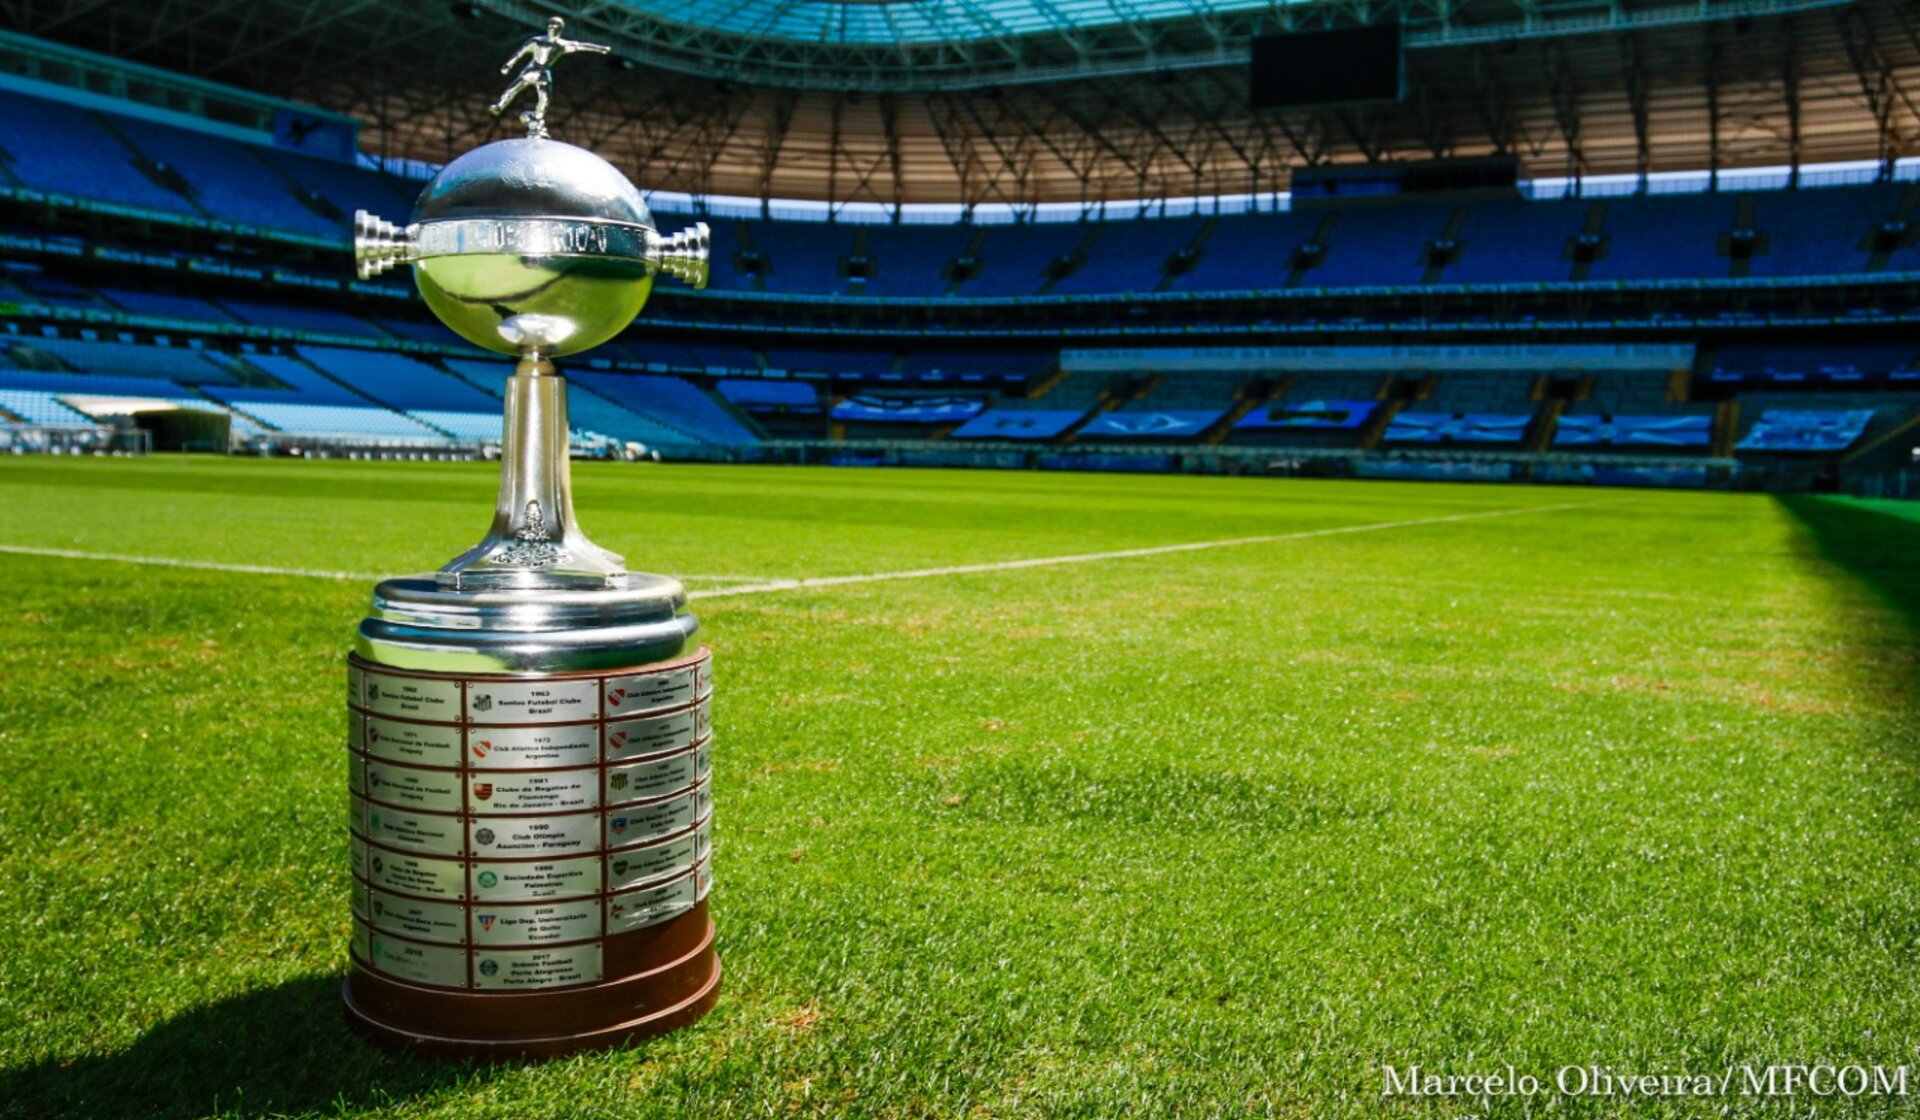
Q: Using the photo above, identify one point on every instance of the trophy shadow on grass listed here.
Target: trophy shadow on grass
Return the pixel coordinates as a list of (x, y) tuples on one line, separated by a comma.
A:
[(1880, 549), (280, 1050)]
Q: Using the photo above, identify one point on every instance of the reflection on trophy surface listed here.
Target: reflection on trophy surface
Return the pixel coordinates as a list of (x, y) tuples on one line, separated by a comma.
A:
[(530, 726)]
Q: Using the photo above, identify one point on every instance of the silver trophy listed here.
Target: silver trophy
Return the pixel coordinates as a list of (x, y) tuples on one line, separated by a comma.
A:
[(528, 731)]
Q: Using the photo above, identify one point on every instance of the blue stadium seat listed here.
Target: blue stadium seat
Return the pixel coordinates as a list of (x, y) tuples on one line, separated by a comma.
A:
[(587, 412), (1021, 424), (1806, 430), (55, 147), (126, 359), (397, 380), (345, 421), (670, 401), (318, 320), (760, 394), (1442, 427)]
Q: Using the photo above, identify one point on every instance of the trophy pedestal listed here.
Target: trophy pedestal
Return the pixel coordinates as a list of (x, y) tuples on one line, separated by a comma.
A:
[(531, 819)]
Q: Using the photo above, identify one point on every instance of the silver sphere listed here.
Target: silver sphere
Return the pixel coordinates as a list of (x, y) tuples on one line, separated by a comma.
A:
[(515, 294)]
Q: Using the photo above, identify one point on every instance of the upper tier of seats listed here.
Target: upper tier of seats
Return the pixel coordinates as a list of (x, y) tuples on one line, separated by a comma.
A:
[(55, 147)]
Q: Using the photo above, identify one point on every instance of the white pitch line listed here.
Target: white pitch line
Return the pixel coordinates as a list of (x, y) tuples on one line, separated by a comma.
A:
[(1118, 554), (261, 569), (754, 586), (172, 562)]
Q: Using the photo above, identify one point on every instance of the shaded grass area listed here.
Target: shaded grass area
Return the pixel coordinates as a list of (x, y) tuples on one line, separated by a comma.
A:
[(1205, 834)]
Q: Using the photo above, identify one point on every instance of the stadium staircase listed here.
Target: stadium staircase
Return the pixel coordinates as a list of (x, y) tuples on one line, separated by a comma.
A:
[(958, 270), (1726, 428), (1186, 258), (1541, 428), (1899, 231), (740, 415), (1112, 397), (1071, 261), (1443, 250), (1252, 393), (1893, 429), (1307, 255), (1589, 245)]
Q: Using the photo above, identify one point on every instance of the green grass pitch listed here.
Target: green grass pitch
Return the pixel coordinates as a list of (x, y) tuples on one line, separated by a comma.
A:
[(1219, 832)]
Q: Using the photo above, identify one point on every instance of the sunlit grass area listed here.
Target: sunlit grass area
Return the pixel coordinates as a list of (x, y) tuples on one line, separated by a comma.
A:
[(1616, 778)]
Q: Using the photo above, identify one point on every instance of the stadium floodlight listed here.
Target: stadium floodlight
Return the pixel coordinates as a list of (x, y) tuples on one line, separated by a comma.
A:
[(529, 734)]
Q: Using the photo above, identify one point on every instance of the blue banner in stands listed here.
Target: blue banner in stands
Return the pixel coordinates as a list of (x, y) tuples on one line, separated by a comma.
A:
[(1162, 425), (1308, 414), (907, 410), (1440, 427), (1635, 431), (1806, 430), (1018, 423)]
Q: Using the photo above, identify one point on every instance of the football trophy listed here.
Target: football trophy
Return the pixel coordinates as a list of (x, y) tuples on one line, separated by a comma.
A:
[(528, 728)]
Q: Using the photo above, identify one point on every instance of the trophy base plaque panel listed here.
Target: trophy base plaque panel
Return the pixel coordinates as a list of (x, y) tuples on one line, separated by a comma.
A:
[(530, 856)]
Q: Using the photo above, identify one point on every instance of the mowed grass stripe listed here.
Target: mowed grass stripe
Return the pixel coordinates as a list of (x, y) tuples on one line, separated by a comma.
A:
[(1216, 834), (751, 585), (1118, 554)]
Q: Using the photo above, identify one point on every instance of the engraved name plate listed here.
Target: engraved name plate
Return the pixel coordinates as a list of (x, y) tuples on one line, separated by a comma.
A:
[(536, 836), (421, 875), (636, 866), (641, 823), (356, 686), (413, 697), (415, 831), (532, 702), (648, 692), (357, 898), (360, 949), (536, 968), (703, 677), (356, 773), (533, 791), (425, 744), (428, 921), (536, 925), (519, 748), (411, 788), (532, 880), (652, 905), (637, 738), (438, 965), (357, 856), (356, 730), (657, 778)]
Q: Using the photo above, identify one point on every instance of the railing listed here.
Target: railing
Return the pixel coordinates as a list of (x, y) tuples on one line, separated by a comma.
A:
[(34, 439)]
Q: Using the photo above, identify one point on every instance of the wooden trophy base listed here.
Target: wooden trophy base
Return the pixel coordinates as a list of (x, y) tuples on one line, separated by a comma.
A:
[(669, 977)]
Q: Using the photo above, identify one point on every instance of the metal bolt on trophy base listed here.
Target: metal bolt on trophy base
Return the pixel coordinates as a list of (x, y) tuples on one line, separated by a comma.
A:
[(529, 733)]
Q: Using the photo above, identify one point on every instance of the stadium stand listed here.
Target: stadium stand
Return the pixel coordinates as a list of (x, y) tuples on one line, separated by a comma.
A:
[(1633, 431), (1803, 429), (35, 406), (587, 412), (1443, 427), (760, 395), (1019, 424), (123, 359), (397, 380), (945, 334), (670, 402)]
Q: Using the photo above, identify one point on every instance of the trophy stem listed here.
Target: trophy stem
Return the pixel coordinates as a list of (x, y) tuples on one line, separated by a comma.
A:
[(535, 542)]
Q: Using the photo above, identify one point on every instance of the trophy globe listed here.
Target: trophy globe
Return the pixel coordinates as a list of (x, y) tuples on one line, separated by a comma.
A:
[(529, 726)]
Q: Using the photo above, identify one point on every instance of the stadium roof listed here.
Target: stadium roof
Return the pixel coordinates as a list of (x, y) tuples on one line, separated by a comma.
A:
[(1067, 100), (919, 21)]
